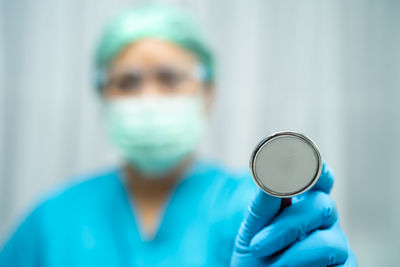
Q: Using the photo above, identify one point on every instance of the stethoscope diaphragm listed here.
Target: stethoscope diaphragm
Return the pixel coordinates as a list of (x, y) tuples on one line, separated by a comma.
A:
[(285, 164)]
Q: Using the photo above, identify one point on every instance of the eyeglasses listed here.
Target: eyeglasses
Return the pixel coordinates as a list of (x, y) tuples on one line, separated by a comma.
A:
[(132, 79)]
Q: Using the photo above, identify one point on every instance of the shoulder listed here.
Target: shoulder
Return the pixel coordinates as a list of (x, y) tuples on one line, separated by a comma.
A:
[(81, 190), (56, 215), (232, 189), (229, 180), (218, 173), (75, 199), (231, 193)]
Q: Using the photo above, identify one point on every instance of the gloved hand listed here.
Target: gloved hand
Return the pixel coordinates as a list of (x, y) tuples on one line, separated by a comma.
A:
[(305, 234)]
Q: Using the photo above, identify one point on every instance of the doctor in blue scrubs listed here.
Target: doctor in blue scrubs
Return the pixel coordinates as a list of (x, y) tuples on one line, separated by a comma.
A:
[(164, 206)]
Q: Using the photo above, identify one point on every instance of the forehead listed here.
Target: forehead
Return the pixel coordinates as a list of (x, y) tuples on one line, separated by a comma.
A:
[(153, 52)]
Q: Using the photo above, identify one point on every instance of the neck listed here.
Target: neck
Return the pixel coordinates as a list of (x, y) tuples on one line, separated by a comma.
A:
[(142, 185), (150, 194)]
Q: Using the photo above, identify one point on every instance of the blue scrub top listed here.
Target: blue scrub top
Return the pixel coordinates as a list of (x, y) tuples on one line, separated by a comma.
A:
[(93, 223)]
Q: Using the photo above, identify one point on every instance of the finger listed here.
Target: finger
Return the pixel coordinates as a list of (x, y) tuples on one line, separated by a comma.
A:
[(262, 210), (322, 248), (316, 211), (351, 260), (325, 181)]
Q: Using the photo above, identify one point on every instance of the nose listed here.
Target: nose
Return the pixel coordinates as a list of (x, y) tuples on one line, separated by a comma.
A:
[(151, 89)]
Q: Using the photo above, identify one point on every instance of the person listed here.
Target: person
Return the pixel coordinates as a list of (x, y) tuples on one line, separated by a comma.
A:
[(165, 206)]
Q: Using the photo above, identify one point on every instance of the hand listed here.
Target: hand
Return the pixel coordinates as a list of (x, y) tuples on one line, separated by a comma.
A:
[(306, 233)]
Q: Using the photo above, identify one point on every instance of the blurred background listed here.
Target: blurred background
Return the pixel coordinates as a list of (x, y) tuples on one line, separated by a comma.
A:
[(329, 69)]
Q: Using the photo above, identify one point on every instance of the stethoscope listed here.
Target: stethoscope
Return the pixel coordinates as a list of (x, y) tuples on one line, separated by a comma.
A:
[(285, 164)]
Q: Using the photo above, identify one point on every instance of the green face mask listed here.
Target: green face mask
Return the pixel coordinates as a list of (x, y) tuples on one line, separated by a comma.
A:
[(155, 134)]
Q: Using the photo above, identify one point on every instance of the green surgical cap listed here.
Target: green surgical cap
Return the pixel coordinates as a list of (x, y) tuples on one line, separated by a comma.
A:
[(152, 21)]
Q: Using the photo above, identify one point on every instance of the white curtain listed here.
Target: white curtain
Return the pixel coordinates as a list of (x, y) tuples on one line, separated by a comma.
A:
[(329, 69)]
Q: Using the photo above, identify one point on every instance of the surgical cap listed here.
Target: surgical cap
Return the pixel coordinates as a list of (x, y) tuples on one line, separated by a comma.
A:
[(152, 21)]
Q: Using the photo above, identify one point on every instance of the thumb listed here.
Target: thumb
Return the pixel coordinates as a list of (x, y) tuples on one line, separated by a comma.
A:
[(262, 210)]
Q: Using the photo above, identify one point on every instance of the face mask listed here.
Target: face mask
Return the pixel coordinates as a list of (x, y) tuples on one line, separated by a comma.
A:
[(155, 134)]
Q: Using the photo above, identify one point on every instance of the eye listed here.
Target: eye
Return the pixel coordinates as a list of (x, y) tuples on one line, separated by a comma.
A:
[(129, 81), (169, 78)]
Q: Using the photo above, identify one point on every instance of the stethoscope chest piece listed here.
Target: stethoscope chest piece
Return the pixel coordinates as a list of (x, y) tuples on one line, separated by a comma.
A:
[(285, 164)]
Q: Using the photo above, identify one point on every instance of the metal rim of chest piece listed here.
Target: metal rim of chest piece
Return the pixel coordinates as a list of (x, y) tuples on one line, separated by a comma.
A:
[(263, 142)]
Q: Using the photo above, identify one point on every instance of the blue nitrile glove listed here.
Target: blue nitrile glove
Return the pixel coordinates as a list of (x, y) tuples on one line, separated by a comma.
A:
[(307, 233)]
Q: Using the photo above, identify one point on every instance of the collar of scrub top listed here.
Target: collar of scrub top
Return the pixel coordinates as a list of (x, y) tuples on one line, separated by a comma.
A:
[(194, 169)]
